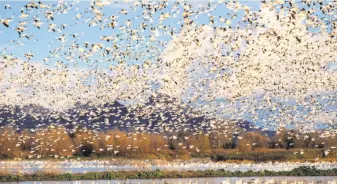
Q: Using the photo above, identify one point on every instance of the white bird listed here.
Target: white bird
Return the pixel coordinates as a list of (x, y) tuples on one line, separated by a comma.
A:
[(8, 6), (6, 22)]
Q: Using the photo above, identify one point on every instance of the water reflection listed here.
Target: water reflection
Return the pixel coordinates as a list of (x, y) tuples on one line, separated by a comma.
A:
[(73, 166), (217, 180)]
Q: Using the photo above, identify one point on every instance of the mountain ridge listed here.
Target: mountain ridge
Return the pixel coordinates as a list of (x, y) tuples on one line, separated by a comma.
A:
[(159, 114)]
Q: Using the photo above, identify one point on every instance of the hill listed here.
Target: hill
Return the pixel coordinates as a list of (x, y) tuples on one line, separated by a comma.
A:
[(159, 114)]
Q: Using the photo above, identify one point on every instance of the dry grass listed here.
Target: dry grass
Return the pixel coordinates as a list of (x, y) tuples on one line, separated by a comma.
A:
[(55, 142)]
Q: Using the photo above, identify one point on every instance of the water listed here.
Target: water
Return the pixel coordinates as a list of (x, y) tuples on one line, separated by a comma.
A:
[(74, 166), (82, 166), (217, 180)]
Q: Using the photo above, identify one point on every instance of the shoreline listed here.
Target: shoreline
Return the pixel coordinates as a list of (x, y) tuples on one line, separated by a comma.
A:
[(158, 174), (164, 161), (26, 167), (115, 165)]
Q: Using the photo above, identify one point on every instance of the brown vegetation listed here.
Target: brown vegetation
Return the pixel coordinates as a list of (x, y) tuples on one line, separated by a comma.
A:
[(56, 142)]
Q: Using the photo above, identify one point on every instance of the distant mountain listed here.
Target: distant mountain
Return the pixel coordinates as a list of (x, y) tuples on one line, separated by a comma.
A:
[(163, 113), (250, 127), (23, 117), (160, 113)]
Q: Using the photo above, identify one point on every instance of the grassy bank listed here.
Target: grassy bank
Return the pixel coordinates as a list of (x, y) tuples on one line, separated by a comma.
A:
[(223, 155), (266, 155), (157, 174)]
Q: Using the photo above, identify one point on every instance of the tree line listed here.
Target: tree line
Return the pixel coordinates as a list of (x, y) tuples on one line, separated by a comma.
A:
[(56, 141)]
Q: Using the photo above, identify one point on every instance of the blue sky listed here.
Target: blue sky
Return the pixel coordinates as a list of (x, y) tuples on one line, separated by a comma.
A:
[(44, 41)]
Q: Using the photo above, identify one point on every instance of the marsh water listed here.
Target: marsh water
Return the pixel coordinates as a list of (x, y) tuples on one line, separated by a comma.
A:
[(74, 166), (83, 166), (216, 180)]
